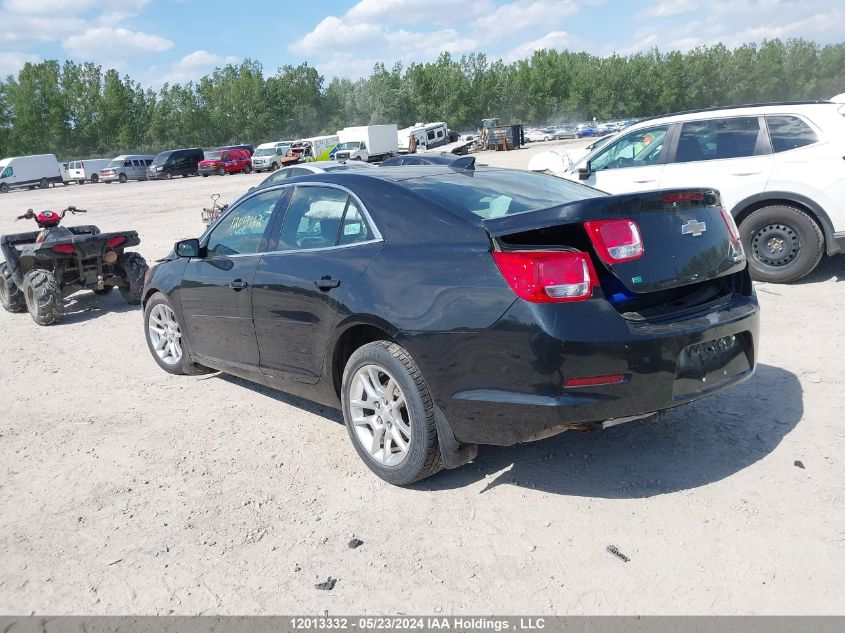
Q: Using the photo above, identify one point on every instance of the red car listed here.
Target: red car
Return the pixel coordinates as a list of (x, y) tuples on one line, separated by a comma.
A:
[(226, 161)]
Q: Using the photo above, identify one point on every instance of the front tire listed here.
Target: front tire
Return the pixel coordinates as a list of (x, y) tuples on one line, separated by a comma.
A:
[(168, 175), (11, 296), (122, 179), (221, 171), (43, 297), (782, 243), (135, 269), (389, 414), (163, 334)]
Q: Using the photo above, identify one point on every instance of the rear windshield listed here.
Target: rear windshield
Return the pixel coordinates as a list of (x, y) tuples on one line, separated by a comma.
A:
[(161, 158), (492, 194)]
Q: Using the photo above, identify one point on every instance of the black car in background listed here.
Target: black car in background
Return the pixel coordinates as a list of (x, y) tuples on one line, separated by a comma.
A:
[(175, 162), (443, 308)]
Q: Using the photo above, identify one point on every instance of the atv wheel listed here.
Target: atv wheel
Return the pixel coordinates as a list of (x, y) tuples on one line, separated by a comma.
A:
[(103, 291), (164, 338), (134, 268), (11, 296), (43, 297)]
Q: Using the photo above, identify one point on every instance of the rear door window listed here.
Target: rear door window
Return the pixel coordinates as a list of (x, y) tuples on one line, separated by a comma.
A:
[(789, 132), (717, 139), (313, 218)]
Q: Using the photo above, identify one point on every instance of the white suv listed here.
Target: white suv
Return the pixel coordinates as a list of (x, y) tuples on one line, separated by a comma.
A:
[(780, 169)]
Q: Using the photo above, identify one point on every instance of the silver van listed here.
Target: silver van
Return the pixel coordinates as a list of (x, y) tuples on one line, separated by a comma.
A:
[(126, 167)]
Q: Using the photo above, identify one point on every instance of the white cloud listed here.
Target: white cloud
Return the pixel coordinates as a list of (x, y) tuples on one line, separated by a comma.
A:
[(523, 15), (438, 12), (12, 62), (670, 7), (195, 65), (106, 43), (23, 30), (69, 7), (554, 40)]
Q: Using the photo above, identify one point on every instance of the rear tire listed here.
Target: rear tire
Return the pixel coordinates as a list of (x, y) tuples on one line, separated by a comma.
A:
[(221, 171), (782, 243), (43, 297), (11, 296), (122, 178), (43, 184), (135, 269), (95, 178), (156, 309), (248, 170), (415, 419)]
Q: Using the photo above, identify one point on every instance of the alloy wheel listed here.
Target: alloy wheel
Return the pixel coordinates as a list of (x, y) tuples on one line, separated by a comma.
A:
[(380, 416), (165, 334)]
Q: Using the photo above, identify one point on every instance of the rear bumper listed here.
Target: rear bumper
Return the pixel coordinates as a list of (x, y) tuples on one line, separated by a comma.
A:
[(505, 385)]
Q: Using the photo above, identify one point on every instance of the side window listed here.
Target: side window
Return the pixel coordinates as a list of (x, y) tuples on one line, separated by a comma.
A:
[(717, 139), (637, 149), (431, 136), (789, 132), (313, 218), (242, 230), (7, 173), (226, 156), (127, 163), (136, 164), (354, 228), (149, 162)]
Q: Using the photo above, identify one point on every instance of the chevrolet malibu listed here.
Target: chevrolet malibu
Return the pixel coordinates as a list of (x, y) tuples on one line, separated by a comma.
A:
[(443, 307)]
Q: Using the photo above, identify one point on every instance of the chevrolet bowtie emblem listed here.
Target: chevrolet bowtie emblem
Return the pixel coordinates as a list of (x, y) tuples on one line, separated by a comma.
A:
[(694, 228)]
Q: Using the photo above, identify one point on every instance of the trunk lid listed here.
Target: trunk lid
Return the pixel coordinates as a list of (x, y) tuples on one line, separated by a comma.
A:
[(686, 240)]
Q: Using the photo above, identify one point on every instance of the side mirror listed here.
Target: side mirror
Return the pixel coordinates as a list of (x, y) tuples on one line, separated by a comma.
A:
[(187, 248), (584, 172)]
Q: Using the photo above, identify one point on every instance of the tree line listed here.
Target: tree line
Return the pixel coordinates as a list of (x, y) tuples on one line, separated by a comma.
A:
[(79, 110)]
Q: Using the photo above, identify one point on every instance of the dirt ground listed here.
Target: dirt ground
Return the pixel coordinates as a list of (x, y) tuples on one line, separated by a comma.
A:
[(124, 489)]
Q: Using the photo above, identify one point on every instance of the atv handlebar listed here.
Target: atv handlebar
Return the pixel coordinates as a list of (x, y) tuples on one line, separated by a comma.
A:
[(30, 214)]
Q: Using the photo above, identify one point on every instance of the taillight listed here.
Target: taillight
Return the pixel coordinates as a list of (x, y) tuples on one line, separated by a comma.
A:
[(595, 381), (548, 276), (615, 241), (66, 249), (733, 229), (692, 196), (115, 241)]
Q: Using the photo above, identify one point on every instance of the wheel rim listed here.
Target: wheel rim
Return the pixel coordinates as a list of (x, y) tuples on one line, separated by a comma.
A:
[(4, 291), (775, 245), (165, 335), (379, 414)]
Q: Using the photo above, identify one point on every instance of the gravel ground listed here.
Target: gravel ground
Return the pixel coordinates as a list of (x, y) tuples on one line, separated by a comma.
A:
[(126, 490)]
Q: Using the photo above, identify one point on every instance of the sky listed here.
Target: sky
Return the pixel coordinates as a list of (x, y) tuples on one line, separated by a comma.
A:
[(158, 41)]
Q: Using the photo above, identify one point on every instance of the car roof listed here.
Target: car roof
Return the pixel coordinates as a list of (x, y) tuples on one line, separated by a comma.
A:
[(753, 109), (435, 159)]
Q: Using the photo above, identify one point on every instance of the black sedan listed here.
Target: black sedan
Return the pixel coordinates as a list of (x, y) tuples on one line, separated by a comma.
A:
[(422, 159), (443, 308)]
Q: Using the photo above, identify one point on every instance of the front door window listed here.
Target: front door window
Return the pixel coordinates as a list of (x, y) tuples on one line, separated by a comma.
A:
[(636, 149)]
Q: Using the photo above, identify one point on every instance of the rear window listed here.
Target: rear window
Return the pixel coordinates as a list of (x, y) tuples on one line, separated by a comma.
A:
[(492, 194), (789, 132)]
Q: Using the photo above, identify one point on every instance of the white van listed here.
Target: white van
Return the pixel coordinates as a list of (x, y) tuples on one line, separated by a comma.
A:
[(268, 156), (84, 170), (29, 171), (428, 135)]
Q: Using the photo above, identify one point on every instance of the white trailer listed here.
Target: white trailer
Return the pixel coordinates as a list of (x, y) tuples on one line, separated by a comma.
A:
[(315, 148), (87, 170), (368, 143), (428, 135), (29, 171)]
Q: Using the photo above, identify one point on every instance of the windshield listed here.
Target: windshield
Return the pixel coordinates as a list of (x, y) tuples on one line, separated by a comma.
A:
[(213, 155), (350, 145), (118, 162), (494, 193), (266, 151), (161, 158)]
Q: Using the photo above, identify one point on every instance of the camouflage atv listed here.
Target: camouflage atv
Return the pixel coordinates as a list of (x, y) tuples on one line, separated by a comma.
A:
[(43, 267)]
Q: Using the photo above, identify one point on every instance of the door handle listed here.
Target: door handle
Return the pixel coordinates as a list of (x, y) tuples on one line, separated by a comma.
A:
[(642, 182), (747, 173), (238, 284), (327, 283)]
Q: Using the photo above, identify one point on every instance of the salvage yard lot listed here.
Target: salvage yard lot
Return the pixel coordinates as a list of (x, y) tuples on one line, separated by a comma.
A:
[(124, 489)]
